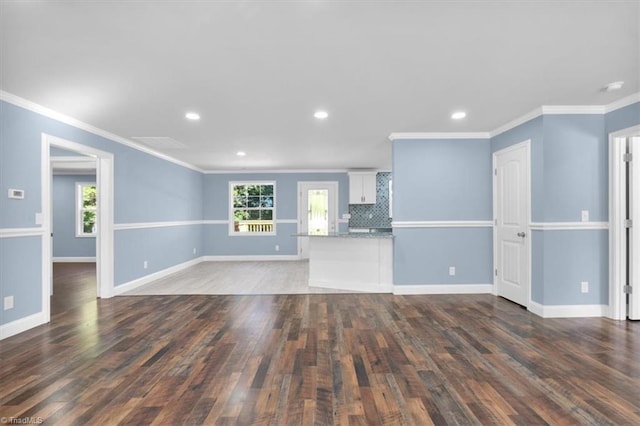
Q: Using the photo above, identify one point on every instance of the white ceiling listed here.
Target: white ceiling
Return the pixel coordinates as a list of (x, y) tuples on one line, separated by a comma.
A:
[(257, 70)]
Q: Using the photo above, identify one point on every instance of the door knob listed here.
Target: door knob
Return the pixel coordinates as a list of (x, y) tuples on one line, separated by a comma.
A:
[(521, 234)]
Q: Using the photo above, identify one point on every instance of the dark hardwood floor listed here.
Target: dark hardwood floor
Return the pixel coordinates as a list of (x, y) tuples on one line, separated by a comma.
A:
[(320, 359), (74, 285)]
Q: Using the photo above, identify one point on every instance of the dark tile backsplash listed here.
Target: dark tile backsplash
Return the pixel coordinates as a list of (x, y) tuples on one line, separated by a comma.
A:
[(379, 211)]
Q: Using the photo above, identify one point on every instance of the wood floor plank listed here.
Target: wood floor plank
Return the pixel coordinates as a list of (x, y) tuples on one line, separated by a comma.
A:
[(319, 359)]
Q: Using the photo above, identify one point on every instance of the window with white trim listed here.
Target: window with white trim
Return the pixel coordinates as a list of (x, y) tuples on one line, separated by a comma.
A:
[(86, 209), (252, 208)]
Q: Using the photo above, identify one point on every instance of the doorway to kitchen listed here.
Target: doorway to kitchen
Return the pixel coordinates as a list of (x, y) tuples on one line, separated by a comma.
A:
[(317, 212)]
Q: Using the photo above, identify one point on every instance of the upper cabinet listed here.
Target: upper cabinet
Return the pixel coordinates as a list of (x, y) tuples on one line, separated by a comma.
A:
[(362, 187)]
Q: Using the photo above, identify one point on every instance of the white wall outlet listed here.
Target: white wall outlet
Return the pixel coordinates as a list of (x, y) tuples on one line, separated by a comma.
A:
[(452, 270), (584, 286), (277, 247), (585, 215), (194, 250), (145, 264), (39, 218), (8, 303)]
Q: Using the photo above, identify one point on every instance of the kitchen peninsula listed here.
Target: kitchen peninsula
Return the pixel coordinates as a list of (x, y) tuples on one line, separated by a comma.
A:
[(357, 261)]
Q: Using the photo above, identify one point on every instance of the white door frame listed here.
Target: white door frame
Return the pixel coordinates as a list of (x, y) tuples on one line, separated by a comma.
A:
[(305, 185), (104, 239), (527, 145), (617, 205)]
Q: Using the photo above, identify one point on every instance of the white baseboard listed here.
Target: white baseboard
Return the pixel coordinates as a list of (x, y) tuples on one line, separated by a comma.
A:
[(352, 286), (568, 311), (123, 288), (443, 289), (22, 324), (73, 259), (251, 258)]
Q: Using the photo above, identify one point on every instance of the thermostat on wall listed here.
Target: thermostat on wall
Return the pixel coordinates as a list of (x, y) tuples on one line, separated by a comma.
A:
[(16, 193)]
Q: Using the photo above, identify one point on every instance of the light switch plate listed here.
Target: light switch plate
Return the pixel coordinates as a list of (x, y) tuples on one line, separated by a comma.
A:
[(585, 215)]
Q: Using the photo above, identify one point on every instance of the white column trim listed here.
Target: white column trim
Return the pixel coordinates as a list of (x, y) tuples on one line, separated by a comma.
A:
[(567, 226), (144, 225), (21, 232)]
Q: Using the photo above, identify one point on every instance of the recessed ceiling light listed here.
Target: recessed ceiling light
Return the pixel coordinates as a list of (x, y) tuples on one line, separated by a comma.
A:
[(458, 115), (241, 153), (321, 114), (192, 116), (616, 85)]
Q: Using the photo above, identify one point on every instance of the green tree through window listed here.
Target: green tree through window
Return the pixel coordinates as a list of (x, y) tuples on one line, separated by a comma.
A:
[(87, 209), (253, 207)]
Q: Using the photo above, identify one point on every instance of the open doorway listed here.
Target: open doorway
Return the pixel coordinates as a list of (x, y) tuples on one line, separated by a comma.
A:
[(624, 224), (317, 212), (103, 224), (73, 230)]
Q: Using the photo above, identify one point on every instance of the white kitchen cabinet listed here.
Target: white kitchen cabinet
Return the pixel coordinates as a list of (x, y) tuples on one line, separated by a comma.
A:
[(362, 187)]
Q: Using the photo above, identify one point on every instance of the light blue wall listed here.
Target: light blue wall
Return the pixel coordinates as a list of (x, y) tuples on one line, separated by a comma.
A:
[(20, 269), (442, 180), (161, 247), (571, 257), (63, 198), (575, 168), (424, 255), (217, 241), (623, 118), (147, 189)]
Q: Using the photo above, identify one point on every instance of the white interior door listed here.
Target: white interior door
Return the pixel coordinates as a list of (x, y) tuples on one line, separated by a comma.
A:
[(317, 211), (512, 239), (634, 231)]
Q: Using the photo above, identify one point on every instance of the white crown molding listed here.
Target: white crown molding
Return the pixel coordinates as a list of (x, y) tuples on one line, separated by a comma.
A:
[(568, 311), (442, 135), (23, 324), (145, 225), (629, 100), (567, 226), (542, 110), (443, 289), (215, 222), (517, 122), (131, 285), (442, 224), (269, 171), (39, 109), (73, 259), (21, 232)]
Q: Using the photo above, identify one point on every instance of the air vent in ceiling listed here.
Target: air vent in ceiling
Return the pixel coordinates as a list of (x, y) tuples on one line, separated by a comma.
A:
[(159, 142)]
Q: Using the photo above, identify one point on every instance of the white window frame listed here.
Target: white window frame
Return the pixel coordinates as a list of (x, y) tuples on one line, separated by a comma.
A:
[(231, 209), (79, 217)]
